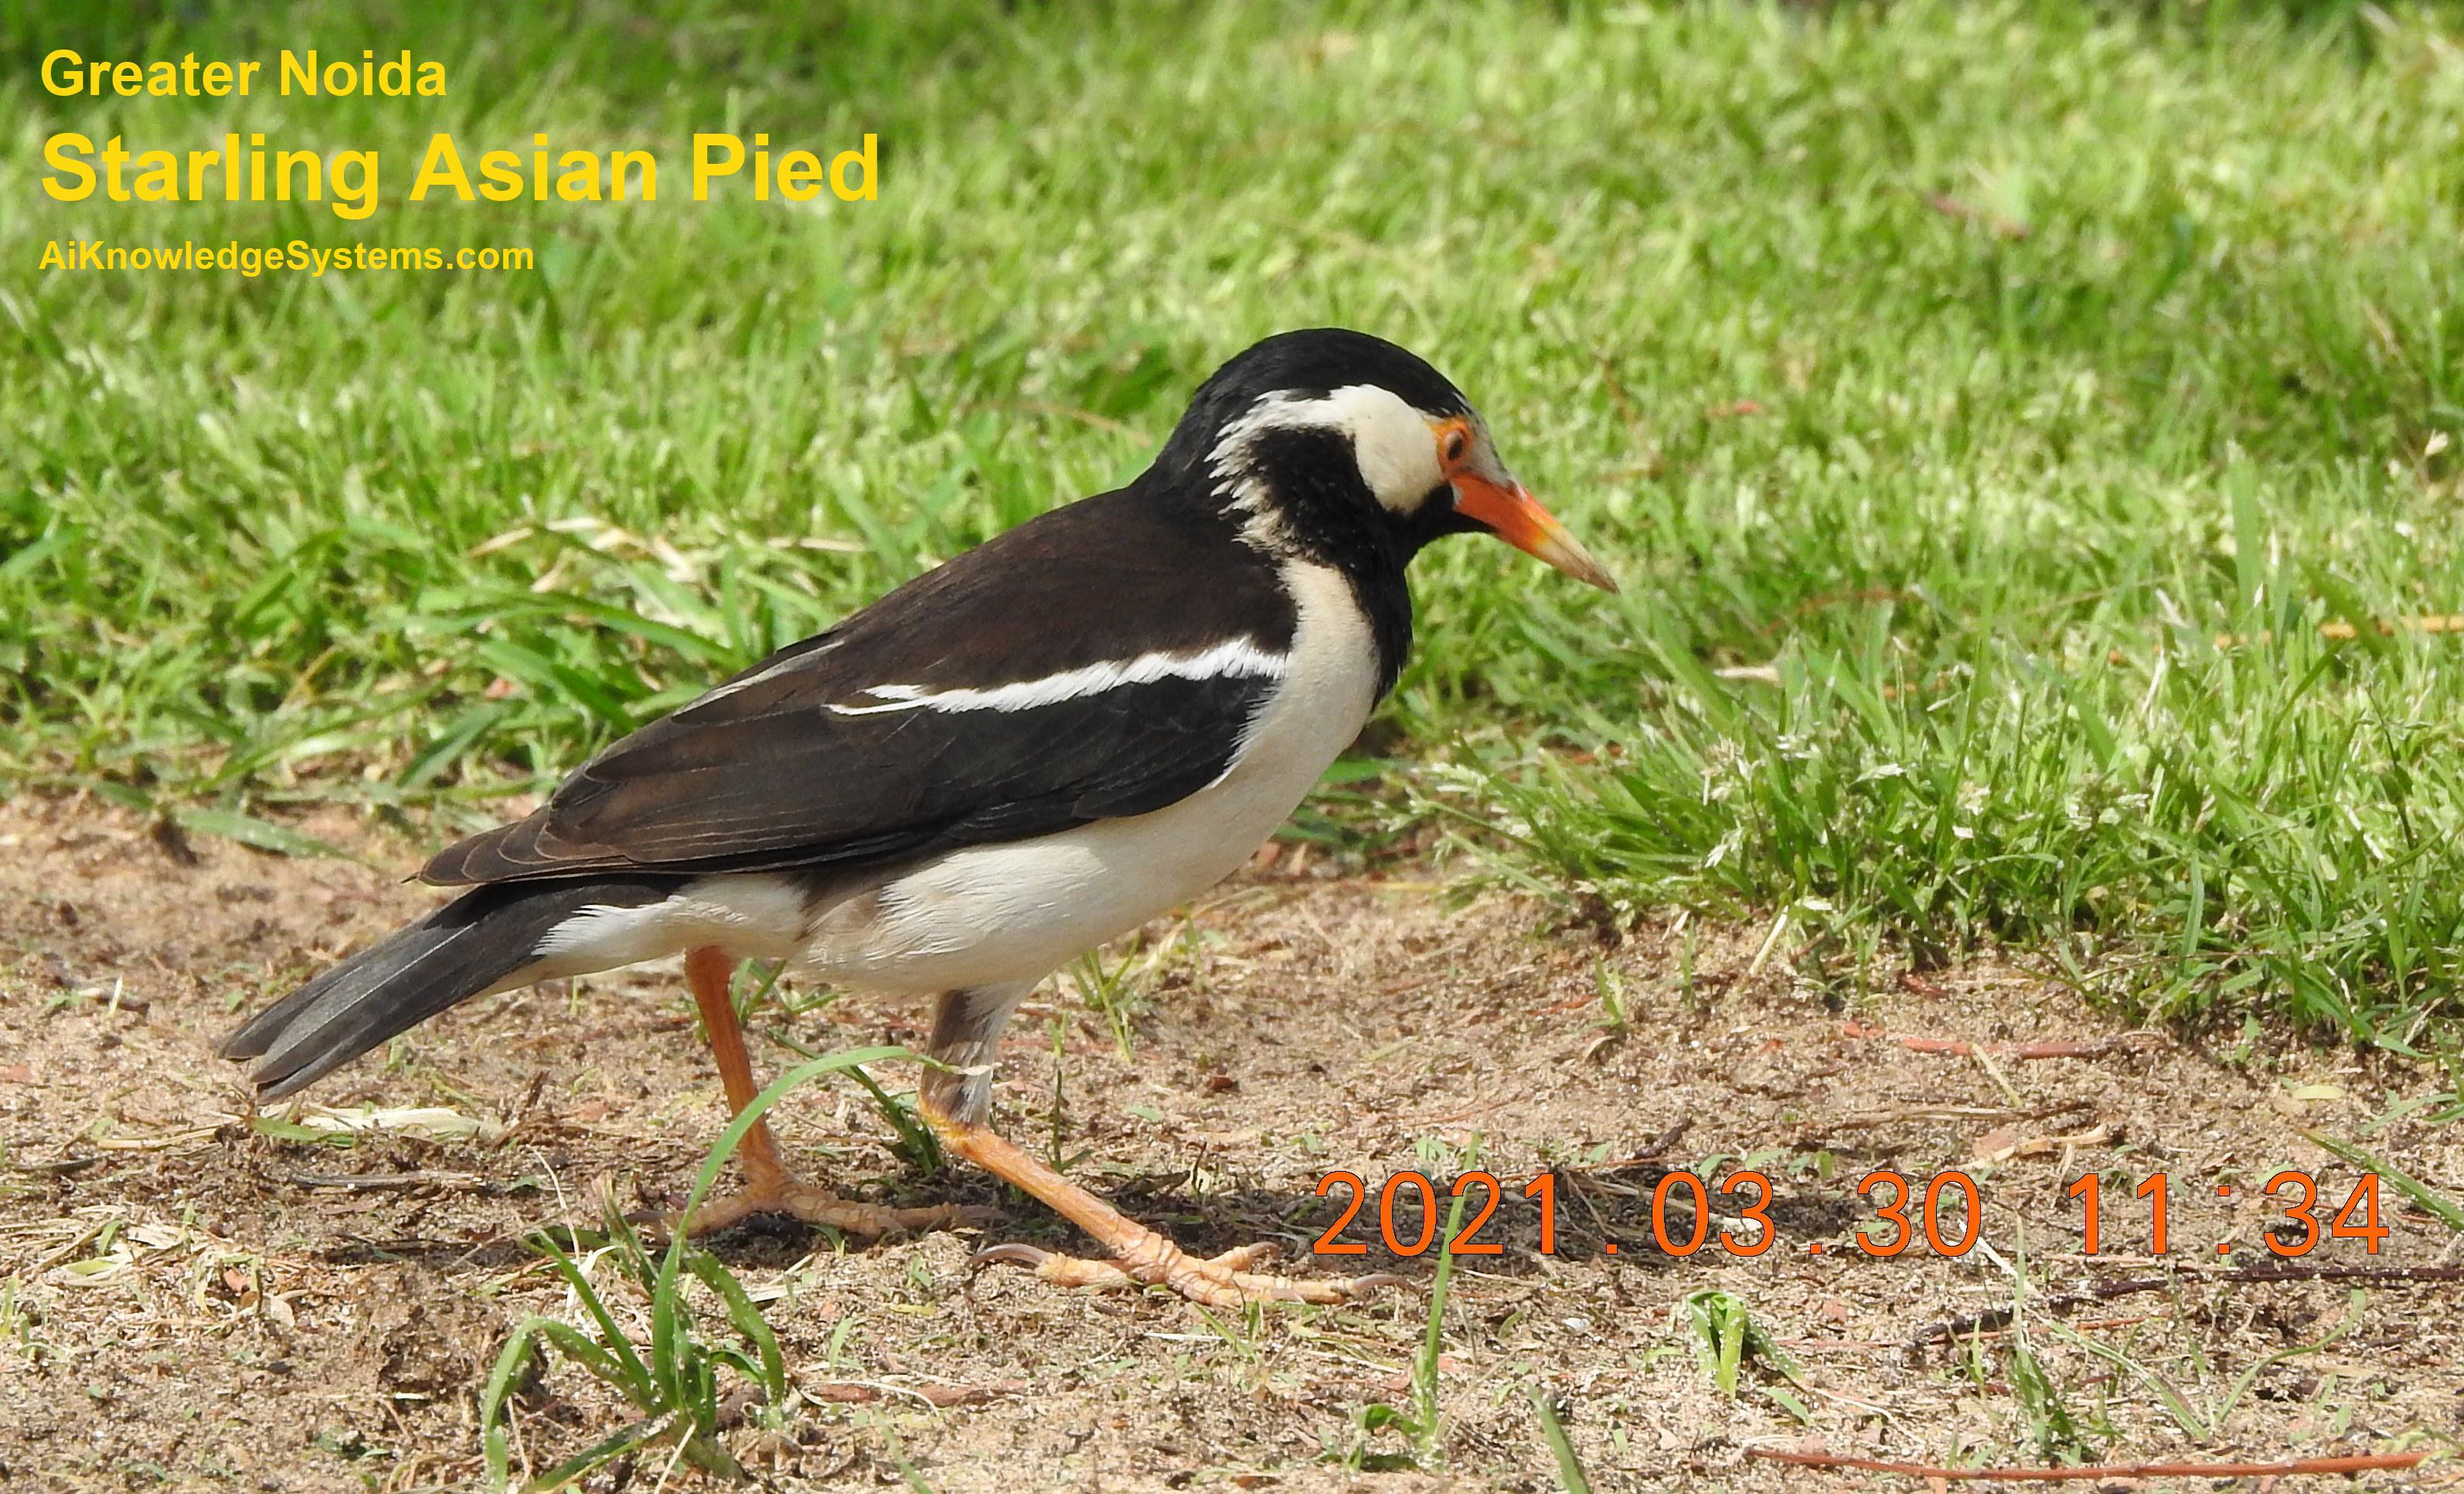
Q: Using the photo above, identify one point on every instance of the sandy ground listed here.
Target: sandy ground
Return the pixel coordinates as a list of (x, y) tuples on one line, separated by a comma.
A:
[(187, 1302)]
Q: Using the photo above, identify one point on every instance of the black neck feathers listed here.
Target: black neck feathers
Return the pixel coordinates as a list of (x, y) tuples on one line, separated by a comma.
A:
[(1305, 491)]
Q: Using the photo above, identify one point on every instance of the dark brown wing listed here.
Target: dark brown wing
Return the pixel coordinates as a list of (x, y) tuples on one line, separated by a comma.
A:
[(820, 756)]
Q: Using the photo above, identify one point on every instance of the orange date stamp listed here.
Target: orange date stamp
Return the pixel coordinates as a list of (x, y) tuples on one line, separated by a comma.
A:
[(1944, 1212)]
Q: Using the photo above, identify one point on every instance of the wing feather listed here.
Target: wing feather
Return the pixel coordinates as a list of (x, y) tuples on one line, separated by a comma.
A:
[(762, 774), (816, 788)]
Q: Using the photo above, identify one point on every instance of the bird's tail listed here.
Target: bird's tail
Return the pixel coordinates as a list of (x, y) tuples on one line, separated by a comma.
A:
[(486, 940)]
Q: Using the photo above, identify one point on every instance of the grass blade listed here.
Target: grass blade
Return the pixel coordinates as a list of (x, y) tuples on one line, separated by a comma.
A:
[(262, 834), (1570, 1468), (2432, 1201)]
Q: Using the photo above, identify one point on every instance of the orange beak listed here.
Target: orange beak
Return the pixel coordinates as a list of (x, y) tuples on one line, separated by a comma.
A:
[(1515, 515)]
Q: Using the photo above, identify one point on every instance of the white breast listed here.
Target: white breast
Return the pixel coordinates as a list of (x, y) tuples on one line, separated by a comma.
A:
[(1018, 910)]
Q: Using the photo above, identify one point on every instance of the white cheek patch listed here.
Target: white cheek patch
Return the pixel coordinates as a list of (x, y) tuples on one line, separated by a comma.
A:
[(1396, 449), (1391, 440)]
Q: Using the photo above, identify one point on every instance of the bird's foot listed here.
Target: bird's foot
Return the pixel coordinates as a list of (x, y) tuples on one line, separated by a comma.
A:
[(784, 1198), (1140, 1257), (1148, 1259)]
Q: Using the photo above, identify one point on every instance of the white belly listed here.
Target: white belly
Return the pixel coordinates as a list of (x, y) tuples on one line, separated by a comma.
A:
[(1017, 912)]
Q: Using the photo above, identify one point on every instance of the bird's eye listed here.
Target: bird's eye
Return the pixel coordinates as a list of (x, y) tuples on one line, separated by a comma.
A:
[(1455, 444)]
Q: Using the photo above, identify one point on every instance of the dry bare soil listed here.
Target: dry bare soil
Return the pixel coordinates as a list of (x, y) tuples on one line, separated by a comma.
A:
[(192, 1302)]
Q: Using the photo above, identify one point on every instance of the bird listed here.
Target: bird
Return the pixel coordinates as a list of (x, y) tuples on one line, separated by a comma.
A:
[(1033, 748)]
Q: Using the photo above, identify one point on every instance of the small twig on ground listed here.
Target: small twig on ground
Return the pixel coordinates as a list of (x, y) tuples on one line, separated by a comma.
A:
[(1899, 1114), (1658, 1145), (1875, 1345), (368, 1183), (1952, 1330), (65, 1251), (2363, 1463), (943, 1397), (2090, 1048), (625, 1029), (61, 1167), (2001, 1146), (1647, 1152)]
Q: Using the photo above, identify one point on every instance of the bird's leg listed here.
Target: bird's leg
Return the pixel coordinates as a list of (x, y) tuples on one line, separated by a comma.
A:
[(955, 1102), (768, 1187)]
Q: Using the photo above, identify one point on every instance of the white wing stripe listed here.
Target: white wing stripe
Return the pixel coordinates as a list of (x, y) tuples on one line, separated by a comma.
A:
[(1238, 659)]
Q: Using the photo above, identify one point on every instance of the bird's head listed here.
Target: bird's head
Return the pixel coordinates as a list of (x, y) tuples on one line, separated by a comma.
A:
[(1326, 440)]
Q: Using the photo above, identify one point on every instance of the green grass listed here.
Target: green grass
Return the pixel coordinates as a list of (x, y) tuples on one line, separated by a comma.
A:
[(672, 1381), (671, 1375), (1965, 370)]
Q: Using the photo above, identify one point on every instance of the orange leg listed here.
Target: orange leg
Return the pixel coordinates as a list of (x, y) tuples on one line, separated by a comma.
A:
[(710, 973), (1141, 1257), (768, 1188)]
